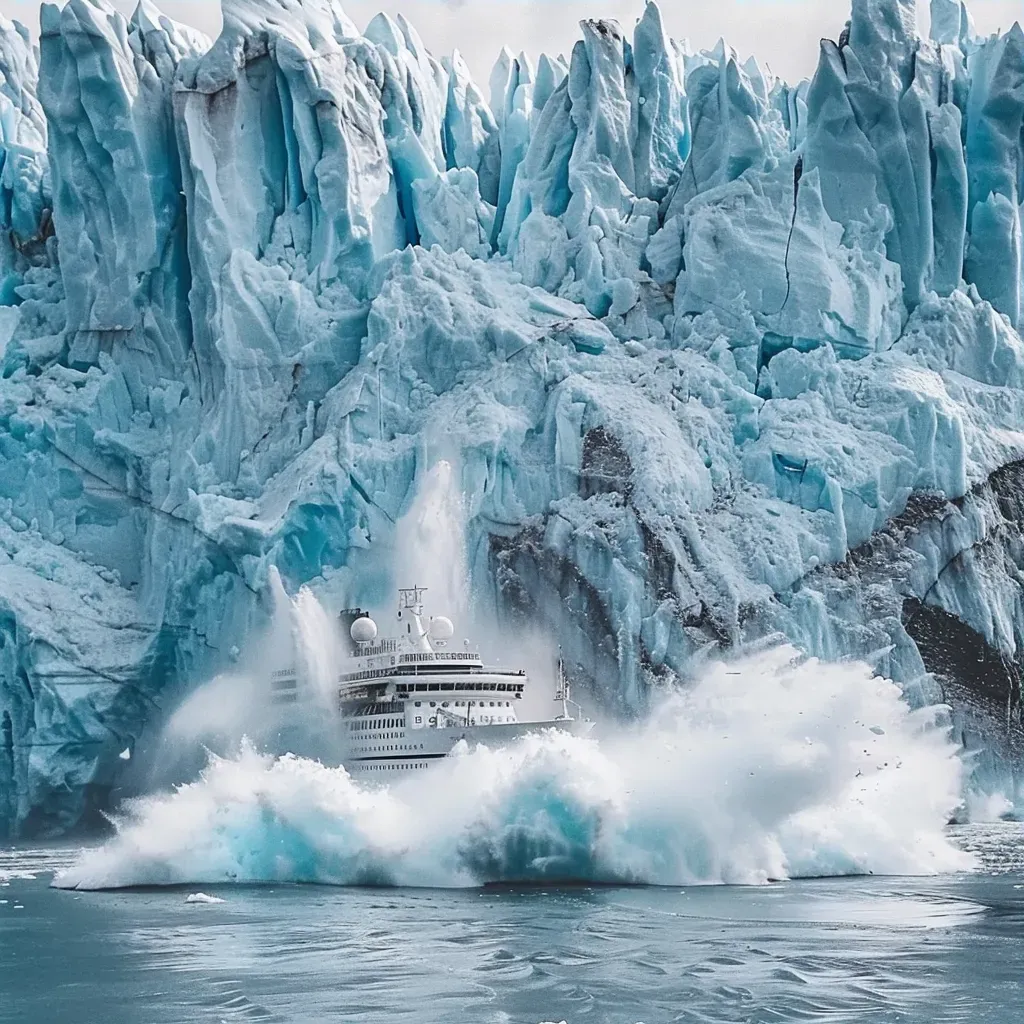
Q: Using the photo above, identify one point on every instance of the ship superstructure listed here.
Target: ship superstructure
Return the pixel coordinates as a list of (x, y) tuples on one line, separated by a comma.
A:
[(406, 700)]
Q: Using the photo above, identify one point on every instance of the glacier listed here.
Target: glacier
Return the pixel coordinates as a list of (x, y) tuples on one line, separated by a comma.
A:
[(719, 358)]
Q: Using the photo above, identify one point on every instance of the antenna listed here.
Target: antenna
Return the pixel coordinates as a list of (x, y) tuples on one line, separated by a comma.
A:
[(564, 691), (411, 599)]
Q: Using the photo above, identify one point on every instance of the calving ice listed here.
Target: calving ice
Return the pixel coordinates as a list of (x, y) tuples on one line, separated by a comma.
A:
[(407, 700), (774, 766)]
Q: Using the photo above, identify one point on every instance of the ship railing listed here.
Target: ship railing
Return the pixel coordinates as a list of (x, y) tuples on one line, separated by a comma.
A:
[(413, 672), (407, 661), (407, 672), (385, 646)]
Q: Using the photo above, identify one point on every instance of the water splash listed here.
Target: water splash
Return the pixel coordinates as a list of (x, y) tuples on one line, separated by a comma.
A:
[(241, 704), (431, 543), (318, 650), (431, 551), (770, 768), (984, 807)]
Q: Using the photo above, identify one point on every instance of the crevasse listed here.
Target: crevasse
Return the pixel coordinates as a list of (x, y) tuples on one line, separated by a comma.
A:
[(718, 357)]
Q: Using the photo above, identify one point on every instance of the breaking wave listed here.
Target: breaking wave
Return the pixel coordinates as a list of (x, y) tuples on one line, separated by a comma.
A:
[(770, 768)]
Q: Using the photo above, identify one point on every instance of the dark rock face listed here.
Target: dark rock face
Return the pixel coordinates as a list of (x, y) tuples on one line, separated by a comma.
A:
[(982, 685)]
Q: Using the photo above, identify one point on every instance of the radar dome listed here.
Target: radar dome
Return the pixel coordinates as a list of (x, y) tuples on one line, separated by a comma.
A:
[(364, 630), (441, 628)]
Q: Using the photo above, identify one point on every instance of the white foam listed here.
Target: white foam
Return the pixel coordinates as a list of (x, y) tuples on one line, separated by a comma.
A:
[(240, 704), (767, 769), (985, 808)]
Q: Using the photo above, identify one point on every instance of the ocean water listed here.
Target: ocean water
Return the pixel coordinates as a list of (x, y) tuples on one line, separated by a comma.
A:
[(878, 949), (770, 845)]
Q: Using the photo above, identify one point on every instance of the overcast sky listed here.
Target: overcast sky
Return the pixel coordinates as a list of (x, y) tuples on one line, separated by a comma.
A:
[(782, 33)]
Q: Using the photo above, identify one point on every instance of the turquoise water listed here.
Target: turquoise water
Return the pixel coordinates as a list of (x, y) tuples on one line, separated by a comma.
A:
[(908, 950)]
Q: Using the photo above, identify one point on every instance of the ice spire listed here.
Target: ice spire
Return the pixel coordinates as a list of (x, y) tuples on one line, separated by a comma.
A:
[(952, 24)]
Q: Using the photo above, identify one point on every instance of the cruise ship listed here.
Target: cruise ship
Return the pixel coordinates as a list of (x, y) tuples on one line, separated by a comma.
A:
[(407, 700)]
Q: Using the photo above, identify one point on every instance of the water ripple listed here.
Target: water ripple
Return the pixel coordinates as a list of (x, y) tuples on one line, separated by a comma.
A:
[(942, 951)]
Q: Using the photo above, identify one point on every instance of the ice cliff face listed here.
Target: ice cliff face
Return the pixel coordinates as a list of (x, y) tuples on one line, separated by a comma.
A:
[(718, 358)]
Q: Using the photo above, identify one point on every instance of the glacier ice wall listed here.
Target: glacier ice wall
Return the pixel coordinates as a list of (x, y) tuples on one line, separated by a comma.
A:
[(718, 357)]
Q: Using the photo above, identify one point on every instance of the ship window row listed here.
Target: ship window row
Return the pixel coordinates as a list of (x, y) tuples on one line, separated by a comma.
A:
[(463, 703), (404, 688), (393, 746), (364, 724), (363, 710)]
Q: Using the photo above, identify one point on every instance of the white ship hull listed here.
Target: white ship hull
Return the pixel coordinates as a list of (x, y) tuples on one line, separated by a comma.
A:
[(401, 752), (406, 702)]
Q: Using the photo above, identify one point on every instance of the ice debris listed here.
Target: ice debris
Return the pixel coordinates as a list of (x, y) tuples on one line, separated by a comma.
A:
[(204, 898)]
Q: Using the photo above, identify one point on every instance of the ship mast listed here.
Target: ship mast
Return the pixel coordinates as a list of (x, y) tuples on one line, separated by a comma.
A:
[(562, 692), (410, 611)]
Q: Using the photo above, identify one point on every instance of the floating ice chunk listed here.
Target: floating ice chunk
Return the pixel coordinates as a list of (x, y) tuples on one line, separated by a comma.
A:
[(202, 897)]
